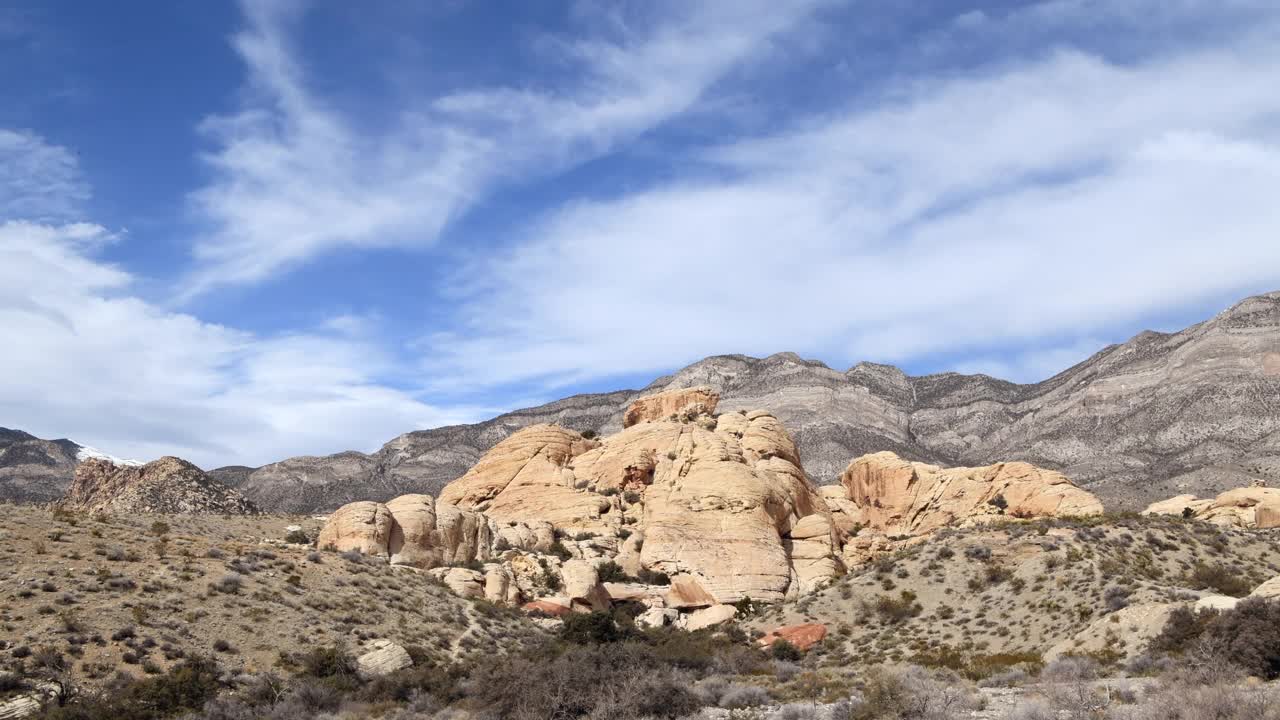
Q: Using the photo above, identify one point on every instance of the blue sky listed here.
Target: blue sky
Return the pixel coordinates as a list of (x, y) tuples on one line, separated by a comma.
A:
[(240, 232)]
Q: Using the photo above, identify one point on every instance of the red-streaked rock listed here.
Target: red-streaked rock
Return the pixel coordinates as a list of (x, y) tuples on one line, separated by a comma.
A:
[(802, 637)]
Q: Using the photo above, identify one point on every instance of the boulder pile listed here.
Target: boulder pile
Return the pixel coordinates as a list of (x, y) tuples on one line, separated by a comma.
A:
[(1247, 507), (684, 513), (888, 497)]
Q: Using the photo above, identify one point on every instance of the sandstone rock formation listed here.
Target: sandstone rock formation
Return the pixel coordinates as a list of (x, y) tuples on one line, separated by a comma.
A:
[(1128, 631), (382, 657), (722, 504), (684, 404), (1269, 589), (418, 531), (1248, 507), (169, 485), (803, 637), (898, 497), (1114, 423)]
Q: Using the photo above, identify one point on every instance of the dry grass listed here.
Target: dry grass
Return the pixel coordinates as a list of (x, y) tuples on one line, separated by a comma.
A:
[(140, 593)]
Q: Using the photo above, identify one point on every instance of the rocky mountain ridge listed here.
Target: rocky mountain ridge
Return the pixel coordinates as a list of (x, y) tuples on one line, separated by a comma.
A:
[(1197, 411), (1163, 414), (169, 485)]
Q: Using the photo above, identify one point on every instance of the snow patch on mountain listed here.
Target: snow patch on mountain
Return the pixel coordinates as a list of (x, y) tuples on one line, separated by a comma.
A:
[(87, 452)]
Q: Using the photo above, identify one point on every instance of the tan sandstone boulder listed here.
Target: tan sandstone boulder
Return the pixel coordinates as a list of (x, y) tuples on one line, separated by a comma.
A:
[(1248, 507), (464, 582), (682, 404), (383, 658), (1269, 589), (707, 617), (1128, 631), (899, 497), (582, 585), (412, 530), (361, 526)]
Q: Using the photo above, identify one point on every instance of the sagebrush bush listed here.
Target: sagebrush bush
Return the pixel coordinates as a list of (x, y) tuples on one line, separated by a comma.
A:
[(619, 681)]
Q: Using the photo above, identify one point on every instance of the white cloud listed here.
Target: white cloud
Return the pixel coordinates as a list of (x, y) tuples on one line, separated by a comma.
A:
[(87, 360), (1066, 197), (37, 180), (296, 178)]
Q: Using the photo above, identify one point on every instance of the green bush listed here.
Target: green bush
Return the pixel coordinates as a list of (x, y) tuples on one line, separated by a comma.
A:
[(782, 649), (591, 629), (611, 571), (186, 687), (1218, 578)]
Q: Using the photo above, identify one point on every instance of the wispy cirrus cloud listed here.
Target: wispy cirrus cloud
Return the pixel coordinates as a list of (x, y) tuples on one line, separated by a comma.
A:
[(295, 178), (1020, 204), (38, 180)]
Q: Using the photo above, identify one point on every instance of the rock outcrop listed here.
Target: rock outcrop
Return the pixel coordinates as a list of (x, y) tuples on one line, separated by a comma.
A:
[(682, 404), (169, 485), (418, 531), (35, 470), (382, 657), (722, 503), (716, 508), (1248, 507), (898, 497), (1115, 423), (802, 637), (1128, 631)]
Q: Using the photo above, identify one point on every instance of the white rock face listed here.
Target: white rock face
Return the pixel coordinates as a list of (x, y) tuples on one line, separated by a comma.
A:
[(384, 657)]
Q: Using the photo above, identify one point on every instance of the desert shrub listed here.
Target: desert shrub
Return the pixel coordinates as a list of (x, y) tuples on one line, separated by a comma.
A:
[(782, 649), (1182, 629), (1219, 578), (1116, 597), (559, 550), (1178, 701), (230, 583), (324, 662), (611, 571), (185, 687), (410, 685), (913, 693), (160, 527), (591, 628), (9, 682), (615, 681), (719, 692), (1033, 709), (588, 434), (297, 537), (1007, 667), (696, 651), (650, 577), (1247, 636), (896, 609)]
